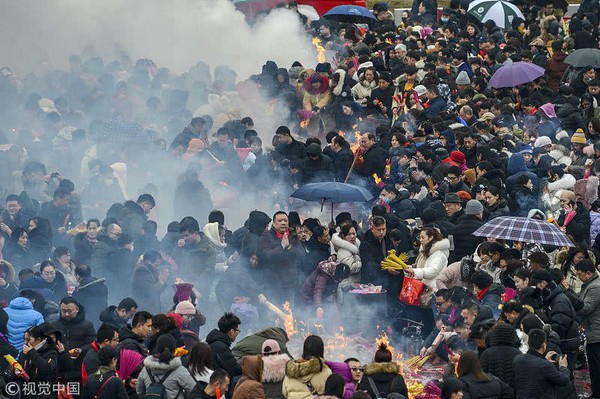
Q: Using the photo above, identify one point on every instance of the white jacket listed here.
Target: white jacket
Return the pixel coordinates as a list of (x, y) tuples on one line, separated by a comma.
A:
[(348, 254), (427, 268)]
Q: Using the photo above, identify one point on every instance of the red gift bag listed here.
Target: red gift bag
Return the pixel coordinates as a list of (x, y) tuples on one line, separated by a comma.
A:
[(411, 291)]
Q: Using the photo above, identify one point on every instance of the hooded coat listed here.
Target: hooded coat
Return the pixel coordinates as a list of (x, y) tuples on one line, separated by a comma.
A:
[(273, 374), (386, 377), (498, 358), (402, 207), (77, 332), (250, 386), (320, 285), (561, 316), (178, 384), (428, 267), (348, 254), (220, 344), (555, 69), (300, 374), (517, 167), (41, 365), (21, 317)]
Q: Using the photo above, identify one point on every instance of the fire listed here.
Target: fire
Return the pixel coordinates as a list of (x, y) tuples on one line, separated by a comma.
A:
[(354, 146), (320, 50), (396, 356), (289, 322), (304, 123), (376, 178)]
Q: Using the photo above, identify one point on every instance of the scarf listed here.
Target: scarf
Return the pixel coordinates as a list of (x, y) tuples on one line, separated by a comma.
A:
[(92, 241), (482, 293), (569, 217), (280, 235)]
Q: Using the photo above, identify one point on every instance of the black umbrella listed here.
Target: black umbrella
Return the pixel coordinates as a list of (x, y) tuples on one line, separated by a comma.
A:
[(584, 57)]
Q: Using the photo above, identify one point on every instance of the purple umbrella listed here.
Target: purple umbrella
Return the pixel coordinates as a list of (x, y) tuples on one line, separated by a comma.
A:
[(516, 74)]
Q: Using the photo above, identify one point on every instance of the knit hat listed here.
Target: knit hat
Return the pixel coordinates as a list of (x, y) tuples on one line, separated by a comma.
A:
[(473, 207), (313, 149), (542, 141), (458, 157), (421, 90), (183, 291), (185, 307), (463, 79), (270, 347), (465, 196), (177, 319), (578, 137)]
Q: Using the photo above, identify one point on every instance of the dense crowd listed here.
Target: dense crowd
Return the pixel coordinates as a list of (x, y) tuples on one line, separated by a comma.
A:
[(101, 159)]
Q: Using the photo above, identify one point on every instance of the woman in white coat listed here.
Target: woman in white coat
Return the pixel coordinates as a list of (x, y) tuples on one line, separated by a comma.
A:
[(346, 245)]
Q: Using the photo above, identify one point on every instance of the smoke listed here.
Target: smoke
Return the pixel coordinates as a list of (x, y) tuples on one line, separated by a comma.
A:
[(176, 34)]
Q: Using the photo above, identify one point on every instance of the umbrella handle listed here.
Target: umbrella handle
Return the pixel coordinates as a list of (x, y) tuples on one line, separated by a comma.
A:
[(322, 203)]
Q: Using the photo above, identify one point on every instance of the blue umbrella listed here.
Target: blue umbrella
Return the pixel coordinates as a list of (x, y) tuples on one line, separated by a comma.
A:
[(349, 13), (332, 192)]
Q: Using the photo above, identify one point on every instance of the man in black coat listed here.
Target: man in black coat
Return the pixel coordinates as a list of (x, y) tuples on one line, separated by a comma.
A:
[(117, 316), (453, 205), (279, 257), (288, 147), (133, 337), (60, 216), (220, 341), (380, 101), (341, 158), (316, 167), (538, 374), (373, 249), (465, 243), (374, 157), (147, 283), (92, 293), (106, 336)]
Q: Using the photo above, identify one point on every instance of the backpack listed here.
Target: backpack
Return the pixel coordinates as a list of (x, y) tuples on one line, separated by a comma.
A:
[(381, 395), (157, 390)]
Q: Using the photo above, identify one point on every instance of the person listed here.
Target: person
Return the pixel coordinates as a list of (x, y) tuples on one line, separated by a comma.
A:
[(39, 360), (85, 241), (148, 283), (590, 317), (220, 341), (118, 316), (382, 377), (487, 292), (200, 363), (218, 383), (53, 281), (356, 369), (465, 243), (249, 385), (107, 336), (75, 329), (539, 373), (452, 389), (91, 292), (307, 377), (476, 383), (347, 248), (373, 249), (274, 365), (16, 250), (105, 383), (279, 255), (65, 266), (335, 387), (497, 358), (164, 368), (495, 205), (22, 317), (574, 218)]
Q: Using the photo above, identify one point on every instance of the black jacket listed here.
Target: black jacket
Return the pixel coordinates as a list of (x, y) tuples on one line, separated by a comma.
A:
[(387, 379), (111, 317), (561, 316), (77, 332), (579, 226), (341, 162), (372, 252), (402, 207), (465, 243), (279, 266), (92, 293), (129, 340), (146, 288), (536, 377), (498, 358), (105, 386), (375, 158), (494, 389), (314, 171), (41, 366), (83, 249), (220, 344), (294, 150)]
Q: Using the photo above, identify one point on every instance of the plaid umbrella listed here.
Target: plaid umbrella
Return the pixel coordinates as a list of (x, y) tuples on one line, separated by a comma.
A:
[(524, 230)]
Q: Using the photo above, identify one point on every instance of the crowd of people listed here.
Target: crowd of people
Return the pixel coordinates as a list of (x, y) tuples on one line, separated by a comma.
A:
[(100, 160)]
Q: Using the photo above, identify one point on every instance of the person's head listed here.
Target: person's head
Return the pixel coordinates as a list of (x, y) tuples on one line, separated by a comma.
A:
[(322, 234), (146, 202), (107, 335), (127, 308), (452, 204), (69, 308), (427, 237), (512, 310), (541, 279), (153, 258), (200, 358), (469, 313), (62, 255), (537, 340), (61, 198), (82, 271), (382, 354), (230, 324), (35, 336), (141, 325), (538, 260), (521, 278), (280, 222), (284, 135), (13, 204), (107, 356), (219, 379), (189, 230), (432, 91), (20, 236), (568, 200), (492, 196), (367, 140), (48, 271), (442, 300), (378, 227), (469, 365), (356, 369), (348, 233), (335, 385), (165, 348), (313, 347), (480, 281), (452, 389), (114, 231), (585, 270), (92, 225)]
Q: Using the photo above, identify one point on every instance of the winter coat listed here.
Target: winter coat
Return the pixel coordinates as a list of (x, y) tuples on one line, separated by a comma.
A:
[(146, 288), (499, 209), (83, 249), (111, 317), (561, 316), (343, 369), (348, 254), (362, 90), (450, 277), (522, 201), (492, 298), (129, 340), (372, 252), (465, 243), (278, 264), (92, 293), (105, 386), (436, 105), (428, 267), (77, 332), (579, 226), (315, 171), (594, 225), (320, 286), (517, 167), (590, 313), (294, 150), (273, 374), (220, 344), (299, 374), (179, 383), (498, 358), (21, 317), (341, 162), (91, 362), (41, 366), (555, 69), (102, 252), (402, 207), (375, 159), (493, 389), (383, 375), (250, 386), (536, 377)]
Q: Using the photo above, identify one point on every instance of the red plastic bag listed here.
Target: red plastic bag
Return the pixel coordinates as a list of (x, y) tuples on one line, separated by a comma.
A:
[(411, 291)]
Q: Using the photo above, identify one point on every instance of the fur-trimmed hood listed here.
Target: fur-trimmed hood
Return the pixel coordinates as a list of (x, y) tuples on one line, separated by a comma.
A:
[(274, 367), (340, 86), (442, 245), (252, 367), (316, 78), (338, 242), (211, 231), (304, 370), (385, 367), (152, 364)]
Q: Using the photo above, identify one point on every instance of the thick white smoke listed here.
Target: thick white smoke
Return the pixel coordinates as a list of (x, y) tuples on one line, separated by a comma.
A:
[(176, 34)]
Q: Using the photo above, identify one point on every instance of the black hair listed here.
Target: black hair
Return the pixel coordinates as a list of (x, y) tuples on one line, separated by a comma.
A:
[(93, 221), (127, 304), (150, 227), (83, 271), (335, 385), (106, 355), (278, 213), (140, 317), (69, 300), (152, 256), (512, 306), (60, 193), (200, 358), (539, 258), (481, 279), (537, 338), (585, 266), (378, 221), (105, 332), (146, 198), (450, 386), (228, 322), (216, 216), (189, 224), (165, 348), (313, 347), (283, 130), (45, 264), (383, 354), (319, 231), (13, 197), (219, 375)]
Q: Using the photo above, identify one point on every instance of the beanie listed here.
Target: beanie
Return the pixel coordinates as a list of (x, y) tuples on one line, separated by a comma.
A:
[(463, 79), (270, 347), (578, 137), (542, 141), (458, 157), (177, 319), (473, 207), (185, 307)]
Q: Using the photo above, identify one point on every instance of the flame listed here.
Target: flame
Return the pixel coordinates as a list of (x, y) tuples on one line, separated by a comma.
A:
[(289, 322), (320, 50), (376, 178), (356, 145), (304, 123), (396, 356)]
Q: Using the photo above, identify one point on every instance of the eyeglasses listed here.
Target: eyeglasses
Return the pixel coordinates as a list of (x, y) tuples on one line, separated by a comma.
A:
[(357, 369)]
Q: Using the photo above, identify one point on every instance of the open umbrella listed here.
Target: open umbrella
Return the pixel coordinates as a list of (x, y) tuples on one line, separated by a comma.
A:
[(524, 230), (348, 13), (499, 11), (333, 192), (584, 57), (515, 74)]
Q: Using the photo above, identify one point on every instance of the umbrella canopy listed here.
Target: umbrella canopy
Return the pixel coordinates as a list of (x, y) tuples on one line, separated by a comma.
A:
[(584, 57), (501, 12), (348, 13), (309, 12), (516, 74), (524, 230), (332, 192)]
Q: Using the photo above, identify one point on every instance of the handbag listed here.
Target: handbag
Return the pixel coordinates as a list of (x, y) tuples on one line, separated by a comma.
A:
[(411, 291)]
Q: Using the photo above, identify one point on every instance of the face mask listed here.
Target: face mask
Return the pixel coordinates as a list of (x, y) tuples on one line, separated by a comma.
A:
[(385, 200), (444, 20), (521, 29)]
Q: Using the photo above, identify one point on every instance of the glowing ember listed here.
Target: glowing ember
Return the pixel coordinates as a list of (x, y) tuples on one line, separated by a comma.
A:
[(320, 50), (304, 123), (355, 146), (376, 178), (289, 323)]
